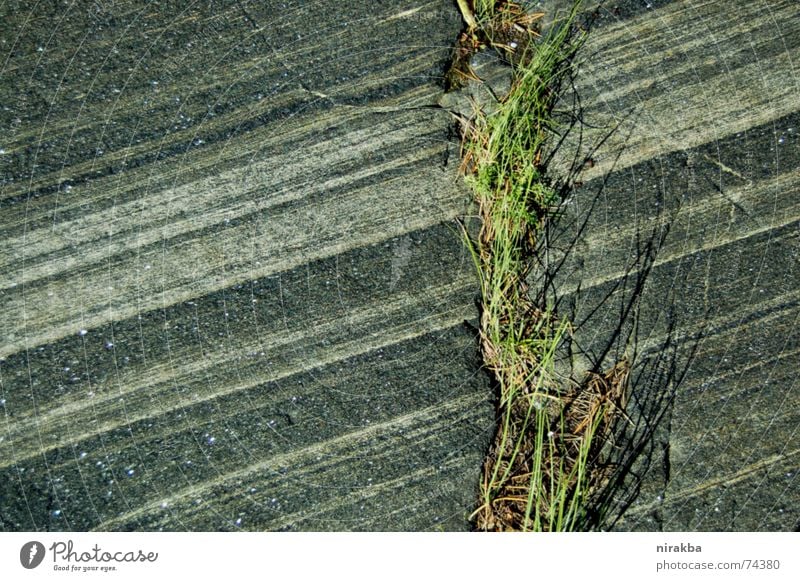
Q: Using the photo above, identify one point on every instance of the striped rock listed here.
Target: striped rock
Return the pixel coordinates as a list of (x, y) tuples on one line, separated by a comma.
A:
[(234, 295)]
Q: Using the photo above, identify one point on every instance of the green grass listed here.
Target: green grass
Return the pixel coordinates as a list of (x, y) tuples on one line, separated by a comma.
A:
[(541, 470), (478, 13)]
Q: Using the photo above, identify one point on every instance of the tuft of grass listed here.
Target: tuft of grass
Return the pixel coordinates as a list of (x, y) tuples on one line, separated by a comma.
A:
[(545, 463)]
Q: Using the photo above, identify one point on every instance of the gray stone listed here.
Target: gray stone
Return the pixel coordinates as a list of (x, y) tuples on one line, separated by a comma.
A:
[(233, 289), (680, 247), (234, 294)]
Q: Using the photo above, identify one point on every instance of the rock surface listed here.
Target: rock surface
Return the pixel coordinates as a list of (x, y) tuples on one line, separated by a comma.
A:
[(234, 295), (233, 290), (682, 247)]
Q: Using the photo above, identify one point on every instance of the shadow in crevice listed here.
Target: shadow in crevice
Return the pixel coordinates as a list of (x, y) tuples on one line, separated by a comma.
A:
[(608, 326)]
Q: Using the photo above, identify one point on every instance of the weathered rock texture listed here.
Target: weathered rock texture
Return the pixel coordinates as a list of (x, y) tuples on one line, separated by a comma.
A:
[(233, 292)]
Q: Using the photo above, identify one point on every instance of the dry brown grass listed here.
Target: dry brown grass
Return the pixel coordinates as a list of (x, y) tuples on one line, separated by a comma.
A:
[(546, 462)]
